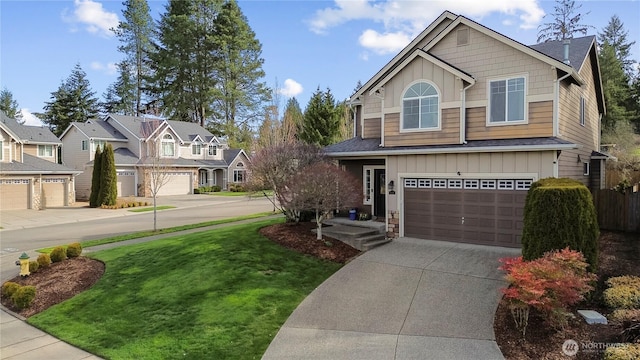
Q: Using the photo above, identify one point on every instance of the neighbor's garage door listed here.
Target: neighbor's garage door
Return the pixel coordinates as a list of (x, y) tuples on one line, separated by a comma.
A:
[(126, 183), (479, 211), (14, 194), (53, 192), (178, 183)]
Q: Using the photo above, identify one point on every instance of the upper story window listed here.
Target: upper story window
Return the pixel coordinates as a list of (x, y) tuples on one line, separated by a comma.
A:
[(507, 100), (83, 145), (168, 145), (1, 150), (196, 149), (213, 150), (420, 107), (45, 150), (582, 110), (97, 143)]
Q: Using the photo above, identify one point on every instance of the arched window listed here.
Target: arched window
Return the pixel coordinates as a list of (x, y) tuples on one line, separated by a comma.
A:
[(168, 145), (420, 107)]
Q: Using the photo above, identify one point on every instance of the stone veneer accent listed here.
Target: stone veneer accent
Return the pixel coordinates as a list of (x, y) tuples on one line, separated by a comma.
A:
[(393, 224)]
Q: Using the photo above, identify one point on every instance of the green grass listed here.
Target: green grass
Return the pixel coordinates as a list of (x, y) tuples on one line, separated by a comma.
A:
[(637, 151), (141, 234), (163, 207), (220, 294)]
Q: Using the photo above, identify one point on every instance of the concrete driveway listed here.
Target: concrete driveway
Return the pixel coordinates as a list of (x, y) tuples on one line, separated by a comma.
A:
[(409, 299)]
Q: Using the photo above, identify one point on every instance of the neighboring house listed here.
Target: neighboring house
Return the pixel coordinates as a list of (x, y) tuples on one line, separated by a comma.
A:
[(451, 133), (30, 176), (190, 154)]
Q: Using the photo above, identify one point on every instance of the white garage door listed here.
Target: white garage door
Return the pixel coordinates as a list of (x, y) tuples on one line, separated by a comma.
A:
[(53, 191), (14, 194), (178, 183), (479, 211), (126, 183)]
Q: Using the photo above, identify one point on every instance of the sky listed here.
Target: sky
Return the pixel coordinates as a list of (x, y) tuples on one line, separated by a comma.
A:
[(306, 45)]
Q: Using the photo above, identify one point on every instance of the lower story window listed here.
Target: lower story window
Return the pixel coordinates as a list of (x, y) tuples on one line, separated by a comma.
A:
[(239, 176)]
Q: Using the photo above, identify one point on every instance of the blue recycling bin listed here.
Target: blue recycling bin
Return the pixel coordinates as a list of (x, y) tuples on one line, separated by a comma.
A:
[(352, 214)]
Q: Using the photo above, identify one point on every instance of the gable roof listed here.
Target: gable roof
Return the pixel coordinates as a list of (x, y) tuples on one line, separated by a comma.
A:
[(187, 131), (145, 127), (543, 53), (578, 50), (27, 134), (34, 165), (97, 129)]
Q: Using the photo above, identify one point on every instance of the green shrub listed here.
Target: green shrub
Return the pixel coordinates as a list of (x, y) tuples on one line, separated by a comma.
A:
[(622, 352), (33, 266), (559, 213), (626, 280), (108, 193), (622, 297), (622, 315), (44, 260), (23, 297), (74, 250), (216, 188), (58, 254), (9, 288), (95, 178)]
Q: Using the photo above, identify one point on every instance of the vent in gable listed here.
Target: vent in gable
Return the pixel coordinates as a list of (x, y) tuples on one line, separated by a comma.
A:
[(463, 36)]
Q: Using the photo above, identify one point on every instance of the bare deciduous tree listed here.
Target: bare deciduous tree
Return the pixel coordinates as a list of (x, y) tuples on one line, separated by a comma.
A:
[(273, 167), (322, 187), (156, 165)]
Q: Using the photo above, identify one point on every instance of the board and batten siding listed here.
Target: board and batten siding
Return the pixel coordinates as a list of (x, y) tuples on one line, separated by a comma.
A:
[(496, 165), (540, 124), (485, 58), (450, 133), (571, 162)]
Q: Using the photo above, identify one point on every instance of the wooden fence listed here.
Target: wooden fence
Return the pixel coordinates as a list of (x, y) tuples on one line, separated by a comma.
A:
[(616, 211)]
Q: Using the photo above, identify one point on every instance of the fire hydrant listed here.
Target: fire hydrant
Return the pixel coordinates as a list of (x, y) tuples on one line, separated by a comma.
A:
[(24, 264)]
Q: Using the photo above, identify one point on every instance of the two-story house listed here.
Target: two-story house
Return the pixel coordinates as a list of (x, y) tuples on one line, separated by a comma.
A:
[(189, 154), (450, 134), (30, 175)]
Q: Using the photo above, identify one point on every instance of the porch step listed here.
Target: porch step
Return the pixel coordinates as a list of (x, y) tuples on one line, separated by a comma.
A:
[(362, 238)]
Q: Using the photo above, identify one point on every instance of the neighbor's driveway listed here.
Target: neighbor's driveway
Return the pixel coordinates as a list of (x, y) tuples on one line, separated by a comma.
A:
[(409, 299)]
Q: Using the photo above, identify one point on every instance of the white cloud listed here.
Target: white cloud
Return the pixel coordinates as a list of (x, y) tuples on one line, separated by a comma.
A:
[(291, 88), (93, 16), (406, 19), (384, 43), (108, 68), (29, 118)]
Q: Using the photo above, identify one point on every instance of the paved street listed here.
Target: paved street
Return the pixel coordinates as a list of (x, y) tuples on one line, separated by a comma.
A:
[(28, 230)]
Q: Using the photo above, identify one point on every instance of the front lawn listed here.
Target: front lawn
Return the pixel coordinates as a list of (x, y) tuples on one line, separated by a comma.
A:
[(220, 294)]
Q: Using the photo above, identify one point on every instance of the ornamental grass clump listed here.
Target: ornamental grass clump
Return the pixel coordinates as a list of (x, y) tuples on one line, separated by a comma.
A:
[(58, 254), (23, 297), (9, 288), (44, 260), (549, 284), (74, 250), (33, 266)]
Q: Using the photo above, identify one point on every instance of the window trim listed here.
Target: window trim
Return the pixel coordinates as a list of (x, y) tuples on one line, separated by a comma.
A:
[(419, 129), (169, 140), (239, 171), (215, 150), (526, 103), (45, 147), (83, 145), (370, 190), (586, 169), (194, 146)]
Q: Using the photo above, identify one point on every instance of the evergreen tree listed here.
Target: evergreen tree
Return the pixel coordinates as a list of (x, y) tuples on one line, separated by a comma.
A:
[(108, 179), (135, 34), (9, 105), (292, 119), (565, 24), (321, 124), (73, 101), (239, 92), (120, 96), (346, 121), (615, 87), (95, 178), (183, 60), (615, 35)]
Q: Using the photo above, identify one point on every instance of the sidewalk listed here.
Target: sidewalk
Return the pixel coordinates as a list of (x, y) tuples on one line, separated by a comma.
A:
[(19, 340)]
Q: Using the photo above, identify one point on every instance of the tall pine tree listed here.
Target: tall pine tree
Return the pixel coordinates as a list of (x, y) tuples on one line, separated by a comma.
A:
[(135, 34), (120, 96), (73, 101), (9, 105), (321, 124), (566, 22), (615, 35), (240, 93)]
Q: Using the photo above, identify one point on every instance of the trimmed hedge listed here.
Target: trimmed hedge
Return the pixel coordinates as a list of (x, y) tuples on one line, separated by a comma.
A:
[(74, 250), (44, 260), (58, 254), (559, 213)]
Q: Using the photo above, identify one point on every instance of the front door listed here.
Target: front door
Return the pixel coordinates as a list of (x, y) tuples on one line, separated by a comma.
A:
[(380, 189)]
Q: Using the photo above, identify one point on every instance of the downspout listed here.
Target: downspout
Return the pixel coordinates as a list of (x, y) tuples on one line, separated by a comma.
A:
[(463, 114)]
